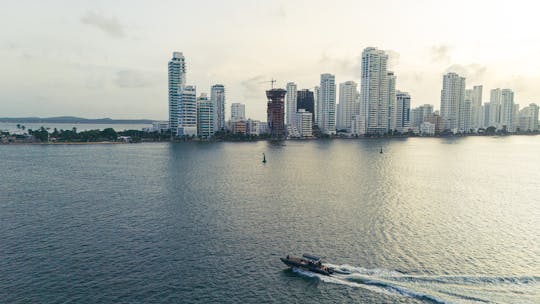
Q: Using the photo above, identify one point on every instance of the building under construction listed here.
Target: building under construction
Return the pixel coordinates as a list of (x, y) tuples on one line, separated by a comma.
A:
[(276, 112)]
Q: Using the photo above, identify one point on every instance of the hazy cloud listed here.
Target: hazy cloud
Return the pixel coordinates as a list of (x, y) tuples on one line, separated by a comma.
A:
[(440, 53), (109, 25), (347, 66), (254, 85), (473, 72), (393, 59), (132, 79)]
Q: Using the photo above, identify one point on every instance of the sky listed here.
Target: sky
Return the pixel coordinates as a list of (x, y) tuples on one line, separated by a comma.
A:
[(108, 58)]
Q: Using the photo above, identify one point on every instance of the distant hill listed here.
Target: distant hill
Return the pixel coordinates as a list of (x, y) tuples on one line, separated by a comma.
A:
[(73, 120)]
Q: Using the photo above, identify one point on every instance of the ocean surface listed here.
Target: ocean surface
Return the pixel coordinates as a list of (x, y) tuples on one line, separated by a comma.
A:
[(428, 221)]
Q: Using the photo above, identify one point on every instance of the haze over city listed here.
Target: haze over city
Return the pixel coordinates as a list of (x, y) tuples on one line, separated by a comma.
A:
[(99, 59)]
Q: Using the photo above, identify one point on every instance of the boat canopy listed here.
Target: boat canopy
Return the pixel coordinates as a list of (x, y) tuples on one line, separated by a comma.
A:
[(311, 257)]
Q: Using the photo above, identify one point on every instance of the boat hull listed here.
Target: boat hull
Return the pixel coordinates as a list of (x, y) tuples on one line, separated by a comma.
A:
[(305, 265)]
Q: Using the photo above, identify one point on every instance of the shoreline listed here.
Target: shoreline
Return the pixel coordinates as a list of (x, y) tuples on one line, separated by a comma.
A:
[(251, 141)]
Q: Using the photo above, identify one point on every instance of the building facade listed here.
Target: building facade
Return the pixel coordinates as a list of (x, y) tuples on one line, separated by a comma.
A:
[(327, 100), (238, 111), (187, 111), (177, 80), (374, 92), (304, 123), (205, 117), (305, 100), (452, 101), (348, 92), (290, 102), (217, 96), (402, 112), (276, 113)]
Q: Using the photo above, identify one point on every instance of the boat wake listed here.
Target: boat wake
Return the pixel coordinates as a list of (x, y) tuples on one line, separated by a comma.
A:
[(433, 288)]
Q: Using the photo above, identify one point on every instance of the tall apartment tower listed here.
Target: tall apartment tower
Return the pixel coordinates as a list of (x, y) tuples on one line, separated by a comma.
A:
[(187, 111), (391, 125), (205, 117), (347, 99), (276, 113), (327, 99), (452, 100), (374, 92), (477, 106), (402, 112), (318, 108), (238, 111), (494, 108), (305, 100), (507, 110), (177, 80), (291, 103), (217, 96)]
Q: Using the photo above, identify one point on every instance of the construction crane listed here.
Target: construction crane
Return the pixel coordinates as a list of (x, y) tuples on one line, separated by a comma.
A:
[(272, 81)]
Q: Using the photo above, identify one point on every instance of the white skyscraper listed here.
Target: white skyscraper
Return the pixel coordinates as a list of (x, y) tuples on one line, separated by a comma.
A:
[(187, 111), (238, 111), (318, 108), (217, 96), (304, 123), (391, 112), (177, 80), (205, 117), (290, 103), (402, 112), (507, 110), (327, 98), (528, 118), (374, 92), (452, 100), (476, 106), (494, 108), (347, 98)]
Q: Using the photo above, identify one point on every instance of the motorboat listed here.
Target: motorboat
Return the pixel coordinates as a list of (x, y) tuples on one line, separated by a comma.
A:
[(308, 262)]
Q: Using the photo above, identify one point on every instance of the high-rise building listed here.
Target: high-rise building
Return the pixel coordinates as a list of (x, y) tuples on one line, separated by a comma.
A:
[(304, 123), (276, 113), (528, 118), (391, 110), (187, 111), (420, 114), (306, 101), (494, 108), (205, 117), (217, 96), (291, 103), (476, 106), (238, 111), (347, 97), (402, 112), (327, 100), (177, 79), (374, 92), (507, 110), (318, 108), (452, 100)]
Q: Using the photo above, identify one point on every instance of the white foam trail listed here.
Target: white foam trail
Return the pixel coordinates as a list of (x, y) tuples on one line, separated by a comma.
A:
[(369, 284)]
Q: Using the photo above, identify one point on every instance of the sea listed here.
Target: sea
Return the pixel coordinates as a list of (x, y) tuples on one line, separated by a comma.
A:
[(429, 220)]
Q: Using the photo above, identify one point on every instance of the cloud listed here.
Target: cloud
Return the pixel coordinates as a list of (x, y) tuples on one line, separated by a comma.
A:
[(393, 59), (440, 53), (351, 67), (109, 25), (254, 87), (132, 79), (473, 72)]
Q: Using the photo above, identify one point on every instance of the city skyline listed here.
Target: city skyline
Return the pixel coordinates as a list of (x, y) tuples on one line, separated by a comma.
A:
[(117, 69)]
